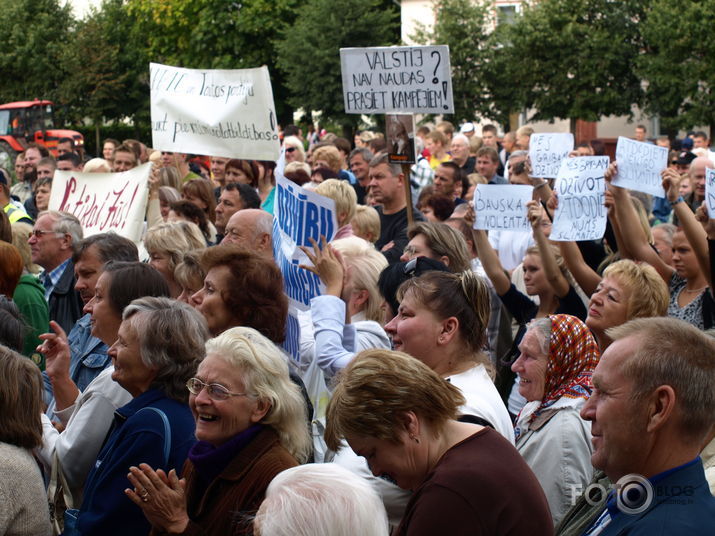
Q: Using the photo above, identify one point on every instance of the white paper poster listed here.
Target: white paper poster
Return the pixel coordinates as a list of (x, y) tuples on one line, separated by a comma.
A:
[(581, 189), (104, 202), (502, 207), (640, 165), (397, 79), (710, 191), (546, 151), (228, 113)]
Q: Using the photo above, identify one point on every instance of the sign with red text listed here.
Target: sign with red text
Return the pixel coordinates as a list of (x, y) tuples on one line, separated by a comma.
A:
[(397, 79), (104, 202), (228, 113)]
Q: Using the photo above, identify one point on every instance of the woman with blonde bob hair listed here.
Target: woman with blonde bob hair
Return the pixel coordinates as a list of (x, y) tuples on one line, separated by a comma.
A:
[(251, 425), (401, 417), (167, 243)]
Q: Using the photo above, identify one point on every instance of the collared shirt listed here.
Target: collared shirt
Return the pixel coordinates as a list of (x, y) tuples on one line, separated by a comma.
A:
[(50, 280)]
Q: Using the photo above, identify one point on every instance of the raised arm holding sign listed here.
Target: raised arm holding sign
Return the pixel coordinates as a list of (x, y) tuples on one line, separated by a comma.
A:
[(640, 165), (502, 207), (581, 189), (546, 151), (227, 113)]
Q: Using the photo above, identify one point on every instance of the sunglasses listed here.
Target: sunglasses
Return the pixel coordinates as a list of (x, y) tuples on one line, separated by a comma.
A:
[(290, 149)]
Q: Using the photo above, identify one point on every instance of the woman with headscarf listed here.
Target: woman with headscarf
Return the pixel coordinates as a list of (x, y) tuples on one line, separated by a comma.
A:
[(556, 361)]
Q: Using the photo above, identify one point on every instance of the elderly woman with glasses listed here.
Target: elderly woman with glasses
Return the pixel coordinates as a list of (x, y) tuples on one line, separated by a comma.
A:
[(251, 425)]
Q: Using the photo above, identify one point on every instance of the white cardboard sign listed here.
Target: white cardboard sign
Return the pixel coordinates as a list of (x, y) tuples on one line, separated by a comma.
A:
[(581, 190), (546, 151), (104, 202), (639, 166), (397, 79), (502, 207), (228, 113)]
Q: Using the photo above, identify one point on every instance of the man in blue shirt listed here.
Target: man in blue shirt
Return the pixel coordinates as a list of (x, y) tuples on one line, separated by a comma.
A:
[(652, 411)]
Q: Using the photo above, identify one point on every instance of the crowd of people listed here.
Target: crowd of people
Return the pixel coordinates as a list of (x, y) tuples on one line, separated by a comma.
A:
[(447, 380)]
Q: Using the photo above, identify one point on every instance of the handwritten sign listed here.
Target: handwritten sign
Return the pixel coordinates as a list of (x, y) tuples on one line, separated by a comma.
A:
[(228, 113), (639, 166), (300, 215), (581, 189), (546, 151), (710, 191), (397, 79), (502, 207), (104, 202)]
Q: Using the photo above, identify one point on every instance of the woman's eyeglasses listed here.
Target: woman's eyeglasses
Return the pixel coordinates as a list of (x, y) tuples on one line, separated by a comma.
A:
[(290, 149), (216, 391)]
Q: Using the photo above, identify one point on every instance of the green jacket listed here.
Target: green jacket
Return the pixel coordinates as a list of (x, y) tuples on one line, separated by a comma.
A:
[(30, 299)]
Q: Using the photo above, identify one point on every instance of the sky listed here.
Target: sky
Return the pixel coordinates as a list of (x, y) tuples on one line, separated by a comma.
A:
[(81, 7)]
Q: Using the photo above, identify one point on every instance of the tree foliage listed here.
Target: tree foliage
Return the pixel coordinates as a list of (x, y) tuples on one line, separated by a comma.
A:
[(575, 58), (33, 34), (217, 34), (309, 51), (679, 63), (106, 67), (463, 26)]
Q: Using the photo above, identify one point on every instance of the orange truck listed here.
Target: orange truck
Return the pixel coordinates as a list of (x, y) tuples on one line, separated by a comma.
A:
[(30, 121)]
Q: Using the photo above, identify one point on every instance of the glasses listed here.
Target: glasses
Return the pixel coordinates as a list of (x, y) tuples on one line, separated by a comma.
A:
[(216, 391), (38, 233), (290, 149)]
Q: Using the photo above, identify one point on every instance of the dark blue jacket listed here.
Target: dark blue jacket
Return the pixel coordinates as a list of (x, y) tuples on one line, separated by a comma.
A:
[(135, 437), (681, 504)]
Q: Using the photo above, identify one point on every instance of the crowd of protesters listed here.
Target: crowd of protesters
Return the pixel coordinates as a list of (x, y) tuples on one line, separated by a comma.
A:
[(449, 380)]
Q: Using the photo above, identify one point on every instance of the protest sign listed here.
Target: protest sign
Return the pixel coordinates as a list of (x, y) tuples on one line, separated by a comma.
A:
[(397, 79), (710, 191), (639, 166), (581, 189), (401, 138), (228, 113), (546, 151), (104, 202), (502, 207), (300, 215), (291, 344)]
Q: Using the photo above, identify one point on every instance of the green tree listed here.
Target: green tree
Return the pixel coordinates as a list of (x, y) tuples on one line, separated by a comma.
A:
[(574, 59), (679, 64), (463, 26), (111, 82), (217, 34), (33, 33), (309, 52)]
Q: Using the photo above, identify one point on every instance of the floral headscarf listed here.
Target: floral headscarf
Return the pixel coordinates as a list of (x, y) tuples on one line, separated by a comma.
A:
[(573, 354)]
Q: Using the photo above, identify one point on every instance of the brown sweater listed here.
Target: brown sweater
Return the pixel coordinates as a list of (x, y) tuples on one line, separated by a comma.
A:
[(232, 499), (481, 486)]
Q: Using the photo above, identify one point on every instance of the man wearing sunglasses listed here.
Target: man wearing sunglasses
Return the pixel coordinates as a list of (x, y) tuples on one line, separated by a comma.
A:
[(52, 242)]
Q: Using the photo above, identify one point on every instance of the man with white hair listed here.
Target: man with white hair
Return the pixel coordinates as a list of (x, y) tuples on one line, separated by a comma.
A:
[(320, 498), (252, 229), (460, 153), (52, 243), (696, 176)]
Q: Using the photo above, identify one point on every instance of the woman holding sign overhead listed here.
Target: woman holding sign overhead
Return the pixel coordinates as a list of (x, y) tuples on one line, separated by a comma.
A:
[(688, 284)]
